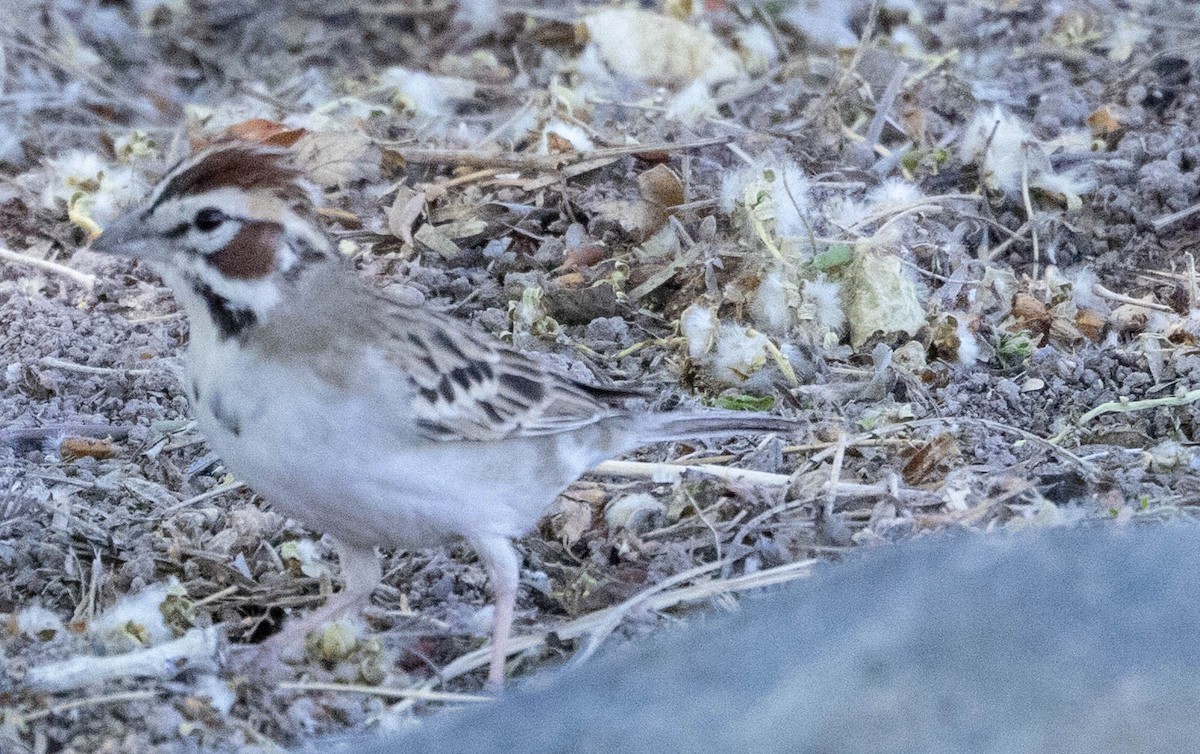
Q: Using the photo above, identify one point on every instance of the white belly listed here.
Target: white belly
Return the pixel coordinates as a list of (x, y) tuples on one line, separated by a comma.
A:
[(349, 463)]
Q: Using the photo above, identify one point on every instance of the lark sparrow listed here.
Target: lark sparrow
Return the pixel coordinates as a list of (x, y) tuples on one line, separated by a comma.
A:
[(375, 422)]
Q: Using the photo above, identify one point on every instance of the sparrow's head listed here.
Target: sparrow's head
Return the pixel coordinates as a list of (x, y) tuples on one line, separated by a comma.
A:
[(230, 227)]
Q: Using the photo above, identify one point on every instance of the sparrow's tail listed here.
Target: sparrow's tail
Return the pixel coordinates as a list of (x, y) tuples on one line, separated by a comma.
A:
[(688, 425)]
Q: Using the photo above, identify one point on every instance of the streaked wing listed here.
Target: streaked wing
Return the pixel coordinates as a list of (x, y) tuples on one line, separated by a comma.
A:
[(470, 387)]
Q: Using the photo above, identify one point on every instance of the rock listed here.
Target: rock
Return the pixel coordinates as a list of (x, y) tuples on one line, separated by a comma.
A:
[(1066, 640)]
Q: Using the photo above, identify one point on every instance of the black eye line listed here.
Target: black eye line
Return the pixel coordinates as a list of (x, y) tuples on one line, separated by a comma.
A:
[(177, 231)]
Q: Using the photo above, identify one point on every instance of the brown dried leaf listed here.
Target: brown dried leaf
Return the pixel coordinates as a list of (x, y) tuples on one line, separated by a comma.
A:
[(944, 337), (1178, 333), (1064, 332), (557, 144), (1026, 307), (72, 448), (1030, 315), (636, 219), (660, 185), (930, 458), (586, 255), (1106, 120), (345, 217), (263, 131), (1091, 323), (571, 280)]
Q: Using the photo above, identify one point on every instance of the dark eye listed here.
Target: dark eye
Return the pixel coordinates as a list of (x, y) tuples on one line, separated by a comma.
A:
[(209, 219)]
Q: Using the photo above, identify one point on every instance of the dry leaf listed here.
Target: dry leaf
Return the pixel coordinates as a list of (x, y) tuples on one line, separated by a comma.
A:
[(571, 280), (263, 131), (945, 338), (432, 239), (1033, 385), (1063, 330), (334, 159), (636, 219), (935, 454), (406, 209), (660, 185), (880, 298), (658, 49), (585, 255), (72, 448), (558, 144), (573, 519), (1091, 323), (336, 214), (1030, 314), (1131, 318), (1106, 119), (464, 231)]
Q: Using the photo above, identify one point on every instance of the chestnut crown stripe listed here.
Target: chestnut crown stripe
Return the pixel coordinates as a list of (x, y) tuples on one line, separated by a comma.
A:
[(246, 167)]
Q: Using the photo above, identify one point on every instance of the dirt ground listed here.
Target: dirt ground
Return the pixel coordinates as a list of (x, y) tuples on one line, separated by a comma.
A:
[(954, 238)]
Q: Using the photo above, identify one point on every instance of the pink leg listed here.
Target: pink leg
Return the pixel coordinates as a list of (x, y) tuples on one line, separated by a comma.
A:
[(361, 573), (504, 569)]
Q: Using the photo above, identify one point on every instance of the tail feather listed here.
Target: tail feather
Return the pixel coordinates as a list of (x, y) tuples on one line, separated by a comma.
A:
[(695, 424)]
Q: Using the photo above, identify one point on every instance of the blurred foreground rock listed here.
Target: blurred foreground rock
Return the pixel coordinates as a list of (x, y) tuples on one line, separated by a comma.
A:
[(1080, 640)]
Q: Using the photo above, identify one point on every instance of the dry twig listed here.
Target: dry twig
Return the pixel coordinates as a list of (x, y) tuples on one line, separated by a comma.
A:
[(86, 280), (666, 472), (197, 649)]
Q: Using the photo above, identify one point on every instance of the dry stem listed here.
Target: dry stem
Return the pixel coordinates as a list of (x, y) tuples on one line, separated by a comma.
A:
[(195, 649), (83, 278), (666, 472)]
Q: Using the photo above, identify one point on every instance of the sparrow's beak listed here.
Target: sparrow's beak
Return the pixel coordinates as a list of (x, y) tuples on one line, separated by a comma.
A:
[(129, 235)]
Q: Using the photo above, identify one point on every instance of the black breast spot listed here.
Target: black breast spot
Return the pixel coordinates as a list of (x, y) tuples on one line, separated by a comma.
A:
[(230, 321), (226, 419)]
